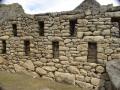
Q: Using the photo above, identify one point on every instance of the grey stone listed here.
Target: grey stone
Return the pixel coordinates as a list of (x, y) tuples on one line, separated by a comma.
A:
[(8, 12), (113, 70), (89, 4)]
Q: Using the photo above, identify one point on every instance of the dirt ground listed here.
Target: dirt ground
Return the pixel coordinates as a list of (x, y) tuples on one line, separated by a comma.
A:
[(20, 81)]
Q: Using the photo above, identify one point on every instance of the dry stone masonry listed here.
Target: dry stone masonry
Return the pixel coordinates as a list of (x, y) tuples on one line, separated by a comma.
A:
[(71, 47)]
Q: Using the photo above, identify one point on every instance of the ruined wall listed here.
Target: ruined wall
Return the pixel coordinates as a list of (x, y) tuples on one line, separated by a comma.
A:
[(72, 65)]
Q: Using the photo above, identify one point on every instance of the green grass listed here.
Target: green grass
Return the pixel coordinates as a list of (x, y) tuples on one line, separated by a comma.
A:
[(20, 81)]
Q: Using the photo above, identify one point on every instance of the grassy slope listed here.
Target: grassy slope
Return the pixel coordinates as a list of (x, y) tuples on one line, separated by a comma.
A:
[(23, 82)]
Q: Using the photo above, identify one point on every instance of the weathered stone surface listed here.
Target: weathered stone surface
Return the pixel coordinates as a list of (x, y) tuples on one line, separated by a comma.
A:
[(41, 71), (38, 63), (102, 56), (44, 60), (27, 37), (95, 81), (82, 47), (4, 37), (65, 77), (115, 56), (56, 38), (94, 38), (106, 32), (83, 72), (18, 68), (84, 85), (88, 12), (96, 33), (73, 70), (10, 12), (68, 56), (50, 68), (82, 22), (100, 69), (87, 79), (63, 58), (2, 60), (32, 74), (64, 62), (29, 65), (108, 51), (80, 35), (113, 69), (85, 5), (81, 59), (80, 78), (67, 40)]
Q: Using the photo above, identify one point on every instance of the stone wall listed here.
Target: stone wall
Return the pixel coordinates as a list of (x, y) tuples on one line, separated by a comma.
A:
[(72, 66)]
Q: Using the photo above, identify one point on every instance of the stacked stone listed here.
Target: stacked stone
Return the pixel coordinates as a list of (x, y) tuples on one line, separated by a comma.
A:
[(72, 66)]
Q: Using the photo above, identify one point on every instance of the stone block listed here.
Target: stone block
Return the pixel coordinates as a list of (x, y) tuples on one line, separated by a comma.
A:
[(95, 81), (65, 77), (18, 68), (4, 37), (63, 58), (106, 32), (94, 38), (38, 63), (3, 61), (108, 51), (102, 56), (73, 69), (100, 69), (29, 65), (41, 71), (80, 35), (81, 59), (83, 72), (49, 68), (97, 33), (84, 85), (80, 78)]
